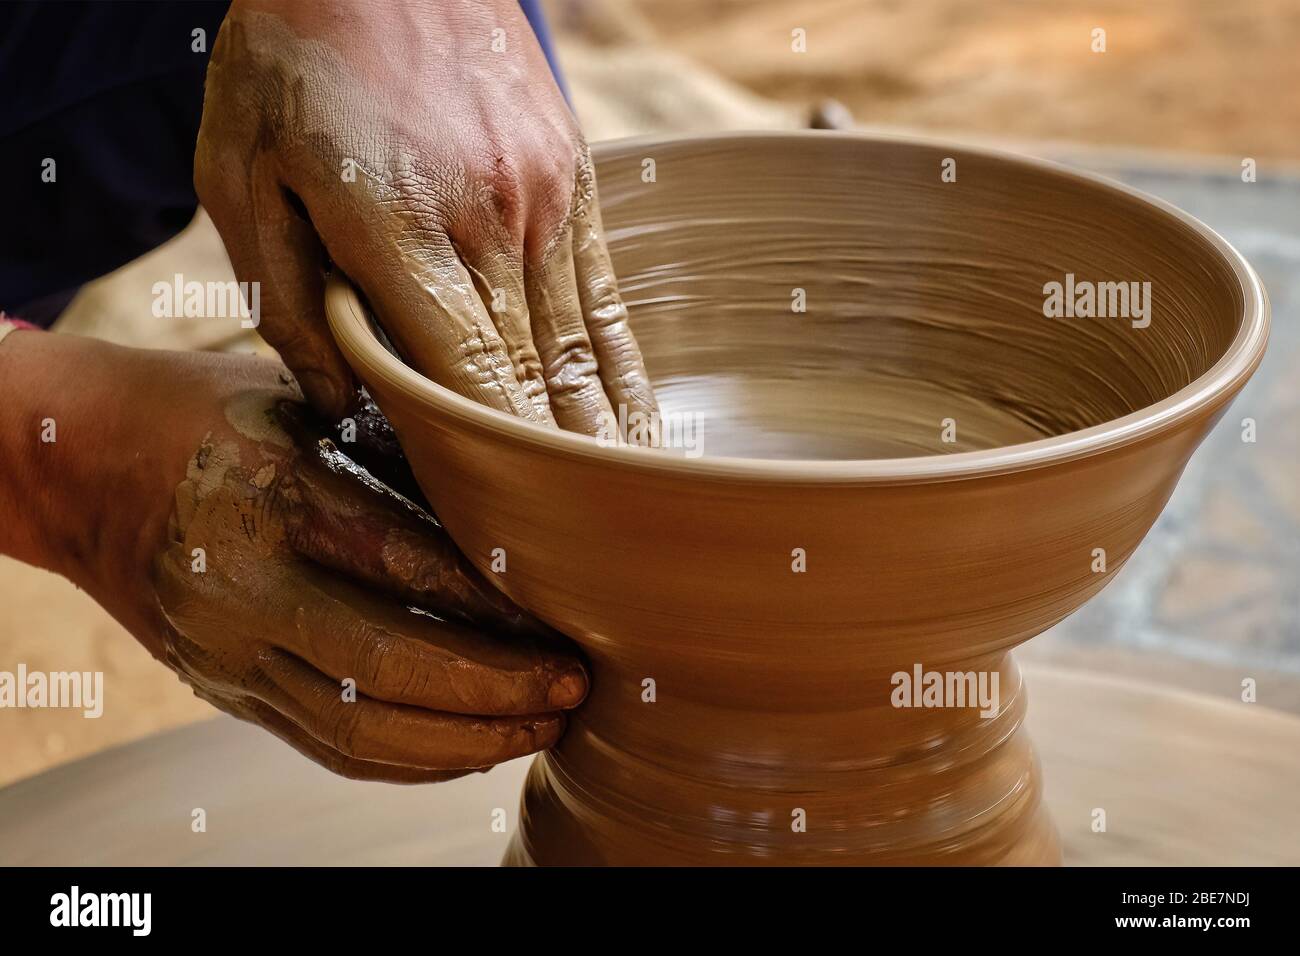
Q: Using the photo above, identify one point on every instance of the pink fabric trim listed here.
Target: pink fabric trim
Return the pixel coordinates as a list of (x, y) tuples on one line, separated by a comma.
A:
[(18, 323)]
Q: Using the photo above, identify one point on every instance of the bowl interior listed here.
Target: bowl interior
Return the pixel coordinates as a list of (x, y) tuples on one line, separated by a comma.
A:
[(827, 297)]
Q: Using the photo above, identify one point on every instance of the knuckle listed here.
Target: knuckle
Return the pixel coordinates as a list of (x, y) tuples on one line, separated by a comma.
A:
[(483, 361), (577, 378), (607, 309), (557, 191), (505, 192), (379, 665), (573, 357), (344, 727)]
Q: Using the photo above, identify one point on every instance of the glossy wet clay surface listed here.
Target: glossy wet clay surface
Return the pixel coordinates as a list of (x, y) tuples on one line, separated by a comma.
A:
[(845, 310), (833, 297)]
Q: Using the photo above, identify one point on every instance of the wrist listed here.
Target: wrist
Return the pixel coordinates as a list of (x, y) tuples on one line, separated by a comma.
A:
[(66, 497), (28, 430)]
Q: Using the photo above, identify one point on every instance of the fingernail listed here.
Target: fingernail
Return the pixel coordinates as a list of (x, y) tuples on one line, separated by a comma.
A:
[(568, 689)]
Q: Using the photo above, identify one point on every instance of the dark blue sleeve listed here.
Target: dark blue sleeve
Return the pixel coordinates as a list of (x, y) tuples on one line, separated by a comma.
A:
[(113, 94), (533, 11)]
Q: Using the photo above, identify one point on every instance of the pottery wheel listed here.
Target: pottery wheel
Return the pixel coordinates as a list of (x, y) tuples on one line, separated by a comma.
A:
[(1183, 780)]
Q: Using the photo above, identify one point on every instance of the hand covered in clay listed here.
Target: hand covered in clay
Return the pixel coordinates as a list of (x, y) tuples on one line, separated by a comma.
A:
[(283, 583), (424, 148)]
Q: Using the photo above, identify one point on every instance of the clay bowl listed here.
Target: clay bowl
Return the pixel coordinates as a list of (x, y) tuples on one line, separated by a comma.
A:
[(959, 471)]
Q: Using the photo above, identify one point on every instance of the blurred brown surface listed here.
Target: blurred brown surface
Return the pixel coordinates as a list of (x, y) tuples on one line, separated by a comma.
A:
[(1199, 75), (1178, 75), (50, 625), (1183, 781)]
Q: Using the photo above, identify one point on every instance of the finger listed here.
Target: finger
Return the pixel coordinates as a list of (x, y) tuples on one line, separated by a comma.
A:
[(337, 762), (573, 385), (498, 276), (421, 293), (332, 760), (268, 718), (271, 244), (622, 370), (342, 520), (402, 656), (393, 653), (392, 733)]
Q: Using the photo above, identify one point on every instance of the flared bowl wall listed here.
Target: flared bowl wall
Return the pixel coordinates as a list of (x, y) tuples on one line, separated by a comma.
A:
[(911, 458)]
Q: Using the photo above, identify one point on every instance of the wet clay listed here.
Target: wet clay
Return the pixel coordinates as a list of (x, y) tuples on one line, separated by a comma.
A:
[(478, 245), (745, 612), (290, 570)]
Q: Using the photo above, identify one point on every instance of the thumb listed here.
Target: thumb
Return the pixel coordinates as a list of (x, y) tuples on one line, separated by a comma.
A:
[(274, 245)]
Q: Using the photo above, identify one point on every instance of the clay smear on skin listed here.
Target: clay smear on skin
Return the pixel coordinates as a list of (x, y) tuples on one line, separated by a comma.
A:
[(216, 468), (426, 201)]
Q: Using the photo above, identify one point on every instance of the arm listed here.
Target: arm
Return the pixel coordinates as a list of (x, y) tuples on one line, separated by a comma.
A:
[(194, 497)]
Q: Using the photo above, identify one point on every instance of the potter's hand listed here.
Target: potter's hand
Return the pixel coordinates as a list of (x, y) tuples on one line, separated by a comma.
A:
[(276, 579), (425, 148), (308, 574)]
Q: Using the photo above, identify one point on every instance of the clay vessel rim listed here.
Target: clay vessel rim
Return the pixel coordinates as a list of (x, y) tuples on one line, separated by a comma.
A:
[(1203, 396)]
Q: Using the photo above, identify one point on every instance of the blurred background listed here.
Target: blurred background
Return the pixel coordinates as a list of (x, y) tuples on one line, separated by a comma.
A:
[(1184, 92)]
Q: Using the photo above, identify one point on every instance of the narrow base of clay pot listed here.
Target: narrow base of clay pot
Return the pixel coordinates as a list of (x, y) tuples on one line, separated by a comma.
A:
[(1039, 846), (971, 796)]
